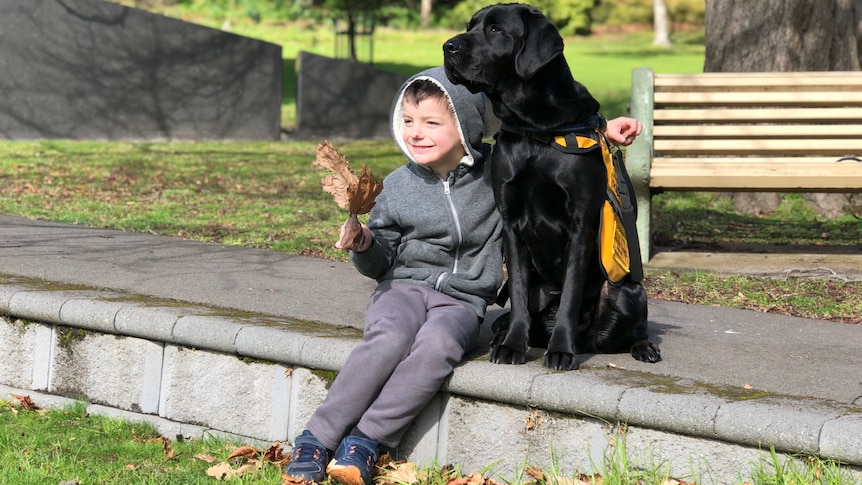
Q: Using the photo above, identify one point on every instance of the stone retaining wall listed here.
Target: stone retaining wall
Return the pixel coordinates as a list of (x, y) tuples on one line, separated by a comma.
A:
[(259, 377)]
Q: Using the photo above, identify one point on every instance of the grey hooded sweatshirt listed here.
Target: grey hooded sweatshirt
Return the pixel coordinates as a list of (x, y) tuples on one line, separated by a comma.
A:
[(444, 234)]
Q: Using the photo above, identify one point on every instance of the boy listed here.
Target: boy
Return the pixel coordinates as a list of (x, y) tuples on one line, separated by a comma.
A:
[(433, 243)]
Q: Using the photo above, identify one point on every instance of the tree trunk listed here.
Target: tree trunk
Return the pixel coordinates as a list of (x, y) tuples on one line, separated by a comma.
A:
[(660, 24), (425, 13), (351, 37), (783, 35)]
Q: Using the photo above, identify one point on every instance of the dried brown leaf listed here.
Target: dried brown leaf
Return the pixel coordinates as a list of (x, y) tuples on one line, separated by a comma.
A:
[(536, 473), (595, 479), (398, 473), (246, 452), (26, 402), (342, 183), (369, 188), (206, 458), (356, 193), (223, 470), (474, 479), (169, 452), (275, 454)]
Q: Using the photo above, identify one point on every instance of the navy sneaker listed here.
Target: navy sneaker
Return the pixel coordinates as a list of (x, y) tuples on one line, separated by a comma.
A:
[(353, 461), (308, 460)]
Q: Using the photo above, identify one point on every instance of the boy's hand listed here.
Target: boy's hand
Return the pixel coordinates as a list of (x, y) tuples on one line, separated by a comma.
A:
[(354, 236), (623, 130)]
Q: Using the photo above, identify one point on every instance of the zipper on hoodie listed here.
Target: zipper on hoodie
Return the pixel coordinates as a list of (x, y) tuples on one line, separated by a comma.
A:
[(455, 216)]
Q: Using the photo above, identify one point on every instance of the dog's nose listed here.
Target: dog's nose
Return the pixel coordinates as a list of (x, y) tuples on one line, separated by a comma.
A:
[(453, 45)]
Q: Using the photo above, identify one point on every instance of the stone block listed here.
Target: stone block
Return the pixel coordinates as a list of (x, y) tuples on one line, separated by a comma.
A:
[(482, 433), (25, 353), (156, 323), (91, 69), (122, 372), (224, 392), (337, 98), (308, 390)]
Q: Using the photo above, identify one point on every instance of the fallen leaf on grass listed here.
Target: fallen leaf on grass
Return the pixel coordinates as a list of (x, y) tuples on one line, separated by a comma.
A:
[(246, 452), (474, 479), (389, 472), (275, 454), (166, 445), (206, 458), (223, 471), (536, 473), (26, 402)]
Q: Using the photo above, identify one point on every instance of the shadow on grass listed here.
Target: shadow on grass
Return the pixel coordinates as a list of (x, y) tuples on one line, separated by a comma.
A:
[(707, 229)]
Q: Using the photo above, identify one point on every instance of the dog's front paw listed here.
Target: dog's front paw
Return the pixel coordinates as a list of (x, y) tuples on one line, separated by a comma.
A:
[(561, 361), (506, 355), (645, 351)]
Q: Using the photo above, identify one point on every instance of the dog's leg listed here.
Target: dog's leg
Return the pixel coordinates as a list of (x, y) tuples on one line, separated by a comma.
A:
[(562, 344), (621, 323), (512, 349)]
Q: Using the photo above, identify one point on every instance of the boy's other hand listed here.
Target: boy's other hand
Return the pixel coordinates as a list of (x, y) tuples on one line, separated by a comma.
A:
[(623, 130), (354, 236)]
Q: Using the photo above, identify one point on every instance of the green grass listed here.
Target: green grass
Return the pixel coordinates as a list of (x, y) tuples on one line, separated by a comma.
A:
[(692, 219), (38, 448), (252, 194), (69, 444)]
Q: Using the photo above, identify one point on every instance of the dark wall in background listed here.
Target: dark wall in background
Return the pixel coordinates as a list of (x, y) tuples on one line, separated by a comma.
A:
[(89, 69), (340, 98)]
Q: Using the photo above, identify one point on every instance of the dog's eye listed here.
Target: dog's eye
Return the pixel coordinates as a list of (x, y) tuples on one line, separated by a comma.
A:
[(495, 28)]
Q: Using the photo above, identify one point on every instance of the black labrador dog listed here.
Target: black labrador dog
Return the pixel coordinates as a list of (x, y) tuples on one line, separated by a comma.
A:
[(550, 197)]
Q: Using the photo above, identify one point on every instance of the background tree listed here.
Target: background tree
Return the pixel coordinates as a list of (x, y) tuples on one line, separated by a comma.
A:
[(661, 29), (360, 18), (784, 35), (425, 13)]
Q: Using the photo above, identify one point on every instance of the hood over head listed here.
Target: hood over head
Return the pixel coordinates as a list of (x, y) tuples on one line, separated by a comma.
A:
[(469, 114)]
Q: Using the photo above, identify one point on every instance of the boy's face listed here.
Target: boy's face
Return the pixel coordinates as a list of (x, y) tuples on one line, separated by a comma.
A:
[(431, 135)]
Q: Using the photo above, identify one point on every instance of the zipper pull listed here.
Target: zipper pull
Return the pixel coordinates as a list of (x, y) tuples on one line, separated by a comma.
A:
[(446, 187)]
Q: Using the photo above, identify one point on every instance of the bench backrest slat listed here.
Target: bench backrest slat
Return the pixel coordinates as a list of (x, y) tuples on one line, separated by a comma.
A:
[(775, 147), (758, 115), (839, 81), (729, 99), (757, 131), (756, 174)]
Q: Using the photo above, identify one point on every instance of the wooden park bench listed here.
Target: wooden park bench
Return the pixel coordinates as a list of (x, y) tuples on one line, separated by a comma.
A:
[(744, 132)]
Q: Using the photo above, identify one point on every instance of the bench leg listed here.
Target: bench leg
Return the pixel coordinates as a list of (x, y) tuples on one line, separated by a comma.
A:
[(639, 154)]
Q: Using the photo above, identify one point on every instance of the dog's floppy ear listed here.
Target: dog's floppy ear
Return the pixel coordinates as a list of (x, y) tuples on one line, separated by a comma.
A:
[(477, 17), (541, 43)]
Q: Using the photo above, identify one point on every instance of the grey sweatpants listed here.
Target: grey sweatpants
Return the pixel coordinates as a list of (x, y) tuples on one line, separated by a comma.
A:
[(413, 338)]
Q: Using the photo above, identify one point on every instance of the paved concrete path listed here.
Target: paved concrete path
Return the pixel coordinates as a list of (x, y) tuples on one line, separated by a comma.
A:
[(713, 345)]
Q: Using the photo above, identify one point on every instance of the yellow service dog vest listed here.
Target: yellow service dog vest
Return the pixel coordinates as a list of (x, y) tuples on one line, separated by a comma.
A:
[(618, 240)]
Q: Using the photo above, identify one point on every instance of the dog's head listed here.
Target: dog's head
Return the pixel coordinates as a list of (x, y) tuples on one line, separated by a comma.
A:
[(502, 42)]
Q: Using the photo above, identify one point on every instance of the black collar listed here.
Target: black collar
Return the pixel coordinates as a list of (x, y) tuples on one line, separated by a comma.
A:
[(590, 124)]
